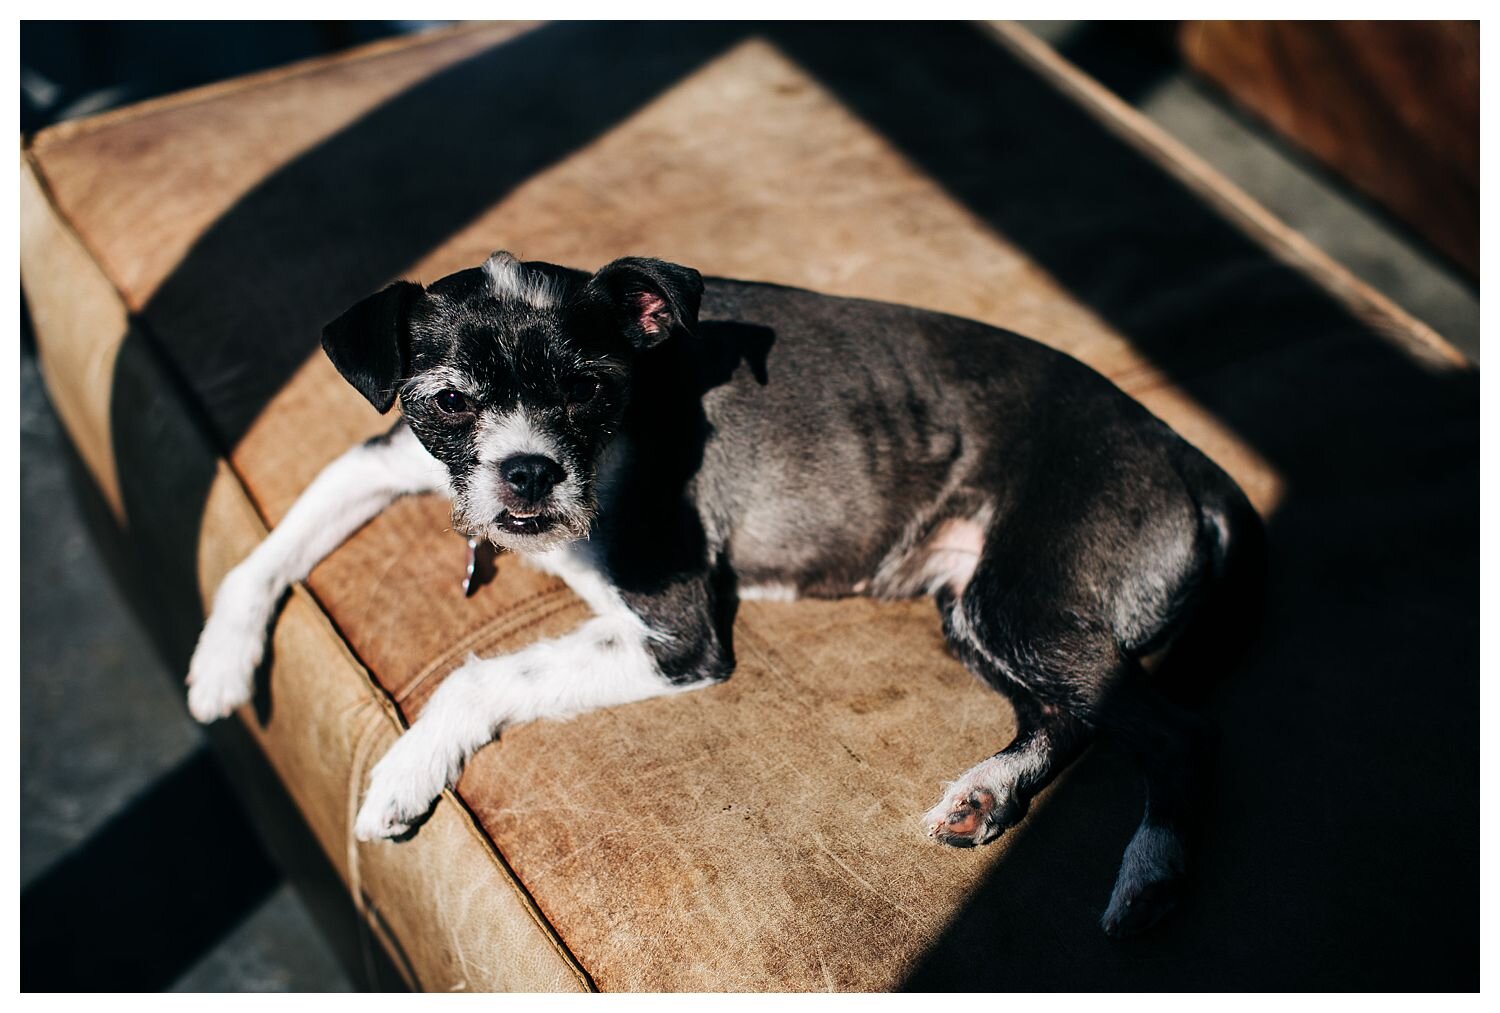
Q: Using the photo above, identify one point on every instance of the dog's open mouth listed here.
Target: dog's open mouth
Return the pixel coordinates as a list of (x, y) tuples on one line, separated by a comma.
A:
[(524, 524)]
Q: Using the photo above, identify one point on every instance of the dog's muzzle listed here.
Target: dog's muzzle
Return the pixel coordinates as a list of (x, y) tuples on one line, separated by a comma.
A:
[(527, 483)]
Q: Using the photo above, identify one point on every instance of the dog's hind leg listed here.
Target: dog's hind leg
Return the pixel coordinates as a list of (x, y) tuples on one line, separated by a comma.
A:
[(344, 496), (1170, 745), (995, 793), (1035, 637)]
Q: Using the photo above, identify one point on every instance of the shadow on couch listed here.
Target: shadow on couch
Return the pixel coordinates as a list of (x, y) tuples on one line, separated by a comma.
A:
[(1341, 849)]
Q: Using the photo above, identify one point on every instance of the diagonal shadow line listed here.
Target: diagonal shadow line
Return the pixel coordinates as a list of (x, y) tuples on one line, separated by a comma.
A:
[(1037, 168), (339, 221), (352, 212), (147, 894), (1373, 569)]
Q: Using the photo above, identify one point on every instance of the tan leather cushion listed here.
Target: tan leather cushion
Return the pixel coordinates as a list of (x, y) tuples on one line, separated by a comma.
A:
[(763, 834)]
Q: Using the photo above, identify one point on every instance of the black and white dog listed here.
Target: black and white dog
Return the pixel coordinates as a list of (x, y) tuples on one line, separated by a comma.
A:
[(669, 446)]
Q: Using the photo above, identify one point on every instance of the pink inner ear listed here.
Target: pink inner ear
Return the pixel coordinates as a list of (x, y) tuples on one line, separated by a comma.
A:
[(650, 310)]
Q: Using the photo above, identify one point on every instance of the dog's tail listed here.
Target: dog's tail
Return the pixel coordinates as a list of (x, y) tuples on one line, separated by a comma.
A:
[(1173, 745)]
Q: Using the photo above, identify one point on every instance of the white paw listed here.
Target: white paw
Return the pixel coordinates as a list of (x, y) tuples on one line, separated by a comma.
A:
[(377, 820), (977, 808), (964, 818), (221, 675), (403, 787)]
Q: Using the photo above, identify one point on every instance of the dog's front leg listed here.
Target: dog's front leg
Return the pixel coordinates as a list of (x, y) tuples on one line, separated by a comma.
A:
[(348, 493), (604, 662)]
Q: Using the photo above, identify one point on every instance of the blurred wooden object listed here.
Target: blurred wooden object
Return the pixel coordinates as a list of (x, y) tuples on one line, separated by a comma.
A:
[(1393, 106)]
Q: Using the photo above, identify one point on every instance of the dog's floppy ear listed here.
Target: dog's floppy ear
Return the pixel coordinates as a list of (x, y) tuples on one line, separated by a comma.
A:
[(650, 299), (370, 344)]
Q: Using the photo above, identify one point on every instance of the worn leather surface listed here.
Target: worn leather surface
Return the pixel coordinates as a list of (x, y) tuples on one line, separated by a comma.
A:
[(763, 834)]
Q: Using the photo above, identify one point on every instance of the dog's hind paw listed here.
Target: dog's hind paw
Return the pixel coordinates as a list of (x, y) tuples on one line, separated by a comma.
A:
[(971, 815), (1148, 884), (962, 821), (981, 805), (1139, 909)]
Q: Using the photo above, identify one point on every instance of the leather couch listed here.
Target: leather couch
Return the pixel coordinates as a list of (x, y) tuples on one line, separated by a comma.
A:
[(180, 257)]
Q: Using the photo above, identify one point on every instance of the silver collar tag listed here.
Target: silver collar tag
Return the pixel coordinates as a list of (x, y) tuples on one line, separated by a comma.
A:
[(480, 568)]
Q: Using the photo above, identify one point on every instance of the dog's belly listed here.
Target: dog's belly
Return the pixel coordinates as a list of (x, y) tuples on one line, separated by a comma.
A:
[(944, 559), (832, 566), (941, 556)]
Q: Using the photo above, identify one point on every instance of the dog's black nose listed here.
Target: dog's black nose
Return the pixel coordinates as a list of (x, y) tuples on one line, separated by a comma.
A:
[(531, 476)]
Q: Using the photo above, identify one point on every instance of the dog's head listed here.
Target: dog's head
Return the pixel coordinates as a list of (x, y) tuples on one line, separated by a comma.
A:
[(516, 376)]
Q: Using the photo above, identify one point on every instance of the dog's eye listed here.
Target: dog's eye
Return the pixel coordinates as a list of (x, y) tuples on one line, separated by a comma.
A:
[(583, 390), (451, 402)]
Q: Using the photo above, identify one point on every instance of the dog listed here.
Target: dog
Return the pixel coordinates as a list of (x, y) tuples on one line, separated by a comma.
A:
[(670, 445)]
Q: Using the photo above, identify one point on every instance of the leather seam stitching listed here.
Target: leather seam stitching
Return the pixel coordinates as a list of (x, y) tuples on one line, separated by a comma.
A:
[(495, 625)]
